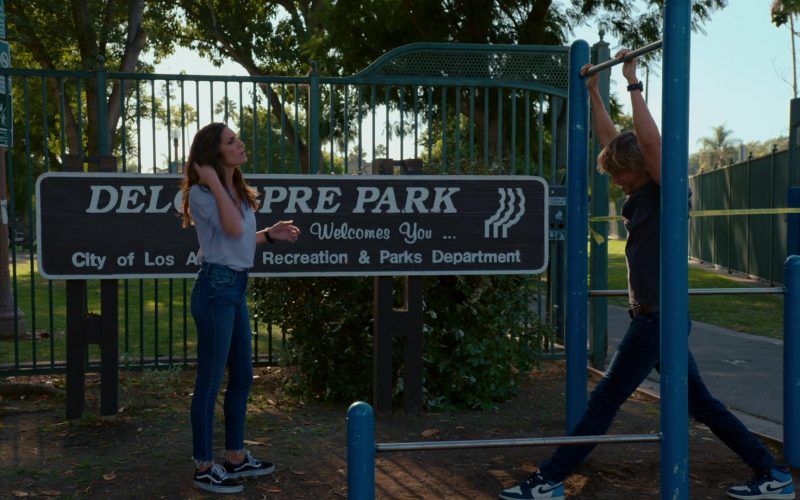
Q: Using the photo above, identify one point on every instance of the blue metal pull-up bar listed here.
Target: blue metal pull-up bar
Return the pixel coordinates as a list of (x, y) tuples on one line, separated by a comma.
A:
[(627, 57)]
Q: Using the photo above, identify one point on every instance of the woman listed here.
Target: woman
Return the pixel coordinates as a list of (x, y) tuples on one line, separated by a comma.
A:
[(220, 204)]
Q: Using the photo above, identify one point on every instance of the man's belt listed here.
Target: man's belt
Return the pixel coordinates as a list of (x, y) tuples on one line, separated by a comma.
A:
[(641, 309)]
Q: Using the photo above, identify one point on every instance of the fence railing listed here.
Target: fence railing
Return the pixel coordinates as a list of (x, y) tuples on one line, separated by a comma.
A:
[(459, 108), (748, 241)]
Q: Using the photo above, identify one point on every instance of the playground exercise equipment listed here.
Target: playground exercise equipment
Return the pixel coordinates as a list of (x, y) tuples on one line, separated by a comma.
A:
[(630, 55), (362, 447), (673, 287)]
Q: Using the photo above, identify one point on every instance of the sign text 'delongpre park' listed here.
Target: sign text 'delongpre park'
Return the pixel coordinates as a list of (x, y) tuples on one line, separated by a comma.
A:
[(92, 225)]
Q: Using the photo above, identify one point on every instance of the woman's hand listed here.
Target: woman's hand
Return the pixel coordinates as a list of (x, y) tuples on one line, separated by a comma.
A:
[(206, 173), (283, 230)]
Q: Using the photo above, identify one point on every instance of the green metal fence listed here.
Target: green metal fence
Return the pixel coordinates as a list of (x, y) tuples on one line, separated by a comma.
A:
[(460, 108), (753, 244)]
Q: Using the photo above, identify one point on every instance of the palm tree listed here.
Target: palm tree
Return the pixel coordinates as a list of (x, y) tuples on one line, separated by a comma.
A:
[(718, 148), (783, 12)]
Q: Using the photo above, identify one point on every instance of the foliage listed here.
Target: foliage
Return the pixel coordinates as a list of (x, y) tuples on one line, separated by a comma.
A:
[(480, 338), (785, 12), (480, 335), (390, 23), (720, 149), (782, 10), (90, 34), (269, 37), (343, 37), (764, 148), (717, 149), (328, 326), (74, 36)]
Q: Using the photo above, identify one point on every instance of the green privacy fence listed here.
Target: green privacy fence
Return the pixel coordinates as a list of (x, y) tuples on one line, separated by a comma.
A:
[(750, 243), (459, 108)]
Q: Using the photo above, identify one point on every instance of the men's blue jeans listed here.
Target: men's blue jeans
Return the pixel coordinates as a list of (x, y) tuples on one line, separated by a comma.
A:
[(636, 356), (219, 309)]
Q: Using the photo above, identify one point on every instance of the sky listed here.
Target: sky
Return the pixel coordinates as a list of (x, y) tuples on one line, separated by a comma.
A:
[(740, 74)]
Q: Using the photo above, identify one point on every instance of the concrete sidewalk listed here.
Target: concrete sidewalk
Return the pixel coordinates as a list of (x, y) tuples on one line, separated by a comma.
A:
[(743, 371)]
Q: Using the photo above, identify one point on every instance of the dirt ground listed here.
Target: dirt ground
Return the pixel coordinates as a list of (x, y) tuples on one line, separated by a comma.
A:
[(145, 451)]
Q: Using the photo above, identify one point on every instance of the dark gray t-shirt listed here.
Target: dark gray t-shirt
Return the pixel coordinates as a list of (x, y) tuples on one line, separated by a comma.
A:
[(215, 246), (641, 213)]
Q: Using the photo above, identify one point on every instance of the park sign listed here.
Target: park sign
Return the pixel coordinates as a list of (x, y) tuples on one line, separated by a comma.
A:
[(111, 225), (6, 124)]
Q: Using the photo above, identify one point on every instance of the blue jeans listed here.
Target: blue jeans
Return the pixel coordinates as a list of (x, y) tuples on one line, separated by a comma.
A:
[(636, 356), (219, 309)]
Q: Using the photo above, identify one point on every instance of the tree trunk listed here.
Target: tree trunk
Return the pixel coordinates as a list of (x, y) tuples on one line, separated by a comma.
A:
[(134, 45)]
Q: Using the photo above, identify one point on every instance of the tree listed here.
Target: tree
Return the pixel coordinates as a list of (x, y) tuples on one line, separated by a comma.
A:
[(718, 149), (262, 37), (80, 35), (387, 23), (765, 148), (786, 12), (76, 36), (283, 36)]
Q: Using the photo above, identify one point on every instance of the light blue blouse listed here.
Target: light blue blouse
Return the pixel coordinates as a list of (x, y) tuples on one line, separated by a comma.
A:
[(215, 246)]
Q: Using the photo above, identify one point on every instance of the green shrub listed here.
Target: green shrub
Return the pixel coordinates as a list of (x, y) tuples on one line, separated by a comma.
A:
[(480, 336), (328, 324)]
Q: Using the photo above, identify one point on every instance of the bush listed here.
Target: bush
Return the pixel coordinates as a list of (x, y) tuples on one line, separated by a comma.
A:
[(480, 336)]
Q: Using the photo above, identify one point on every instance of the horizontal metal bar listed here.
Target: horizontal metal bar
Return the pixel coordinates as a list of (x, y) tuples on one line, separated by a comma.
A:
[(630, 55), (774, 290), (504, 443)]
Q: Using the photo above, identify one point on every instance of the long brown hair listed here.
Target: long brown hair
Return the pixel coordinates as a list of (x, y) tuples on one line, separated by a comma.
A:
[(205, 151)]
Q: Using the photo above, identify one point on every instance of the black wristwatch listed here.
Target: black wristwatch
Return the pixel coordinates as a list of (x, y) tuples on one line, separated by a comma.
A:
[(636, 86)]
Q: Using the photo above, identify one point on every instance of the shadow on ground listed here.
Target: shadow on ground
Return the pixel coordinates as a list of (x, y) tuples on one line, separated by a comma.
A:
[(145, 451)]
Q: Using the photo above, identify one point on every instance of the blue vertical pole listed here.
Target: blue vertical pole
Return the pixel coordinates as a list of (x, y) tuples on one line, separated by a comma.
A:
[(791, 361), (577, 234), (360, 452), (674, 251)]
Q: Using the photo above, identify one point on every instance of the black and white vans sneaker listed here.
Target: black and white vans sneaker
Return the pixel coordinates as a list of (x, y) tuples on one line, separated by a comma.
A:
[(215, 479), (250, 467)]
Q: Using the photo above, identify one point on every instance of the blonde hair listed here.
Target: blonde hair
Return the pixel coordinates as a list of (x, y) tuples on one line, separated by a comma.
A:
[(622, 153)]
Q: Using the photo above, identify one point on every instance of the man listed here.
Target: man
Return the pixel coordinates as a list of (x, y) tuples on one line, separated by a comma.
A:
[(633, 160)]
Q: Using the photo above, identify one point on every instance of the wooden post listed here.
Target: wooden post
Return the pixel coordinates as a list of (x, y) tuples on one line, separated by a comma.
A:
[(84, 328), (403, 322)]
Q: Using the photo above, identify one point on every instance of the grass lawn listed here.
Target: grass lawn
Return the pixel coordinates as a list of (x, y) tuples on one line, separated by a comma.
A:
[(756, 314), (155, 323), (154, 320)]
